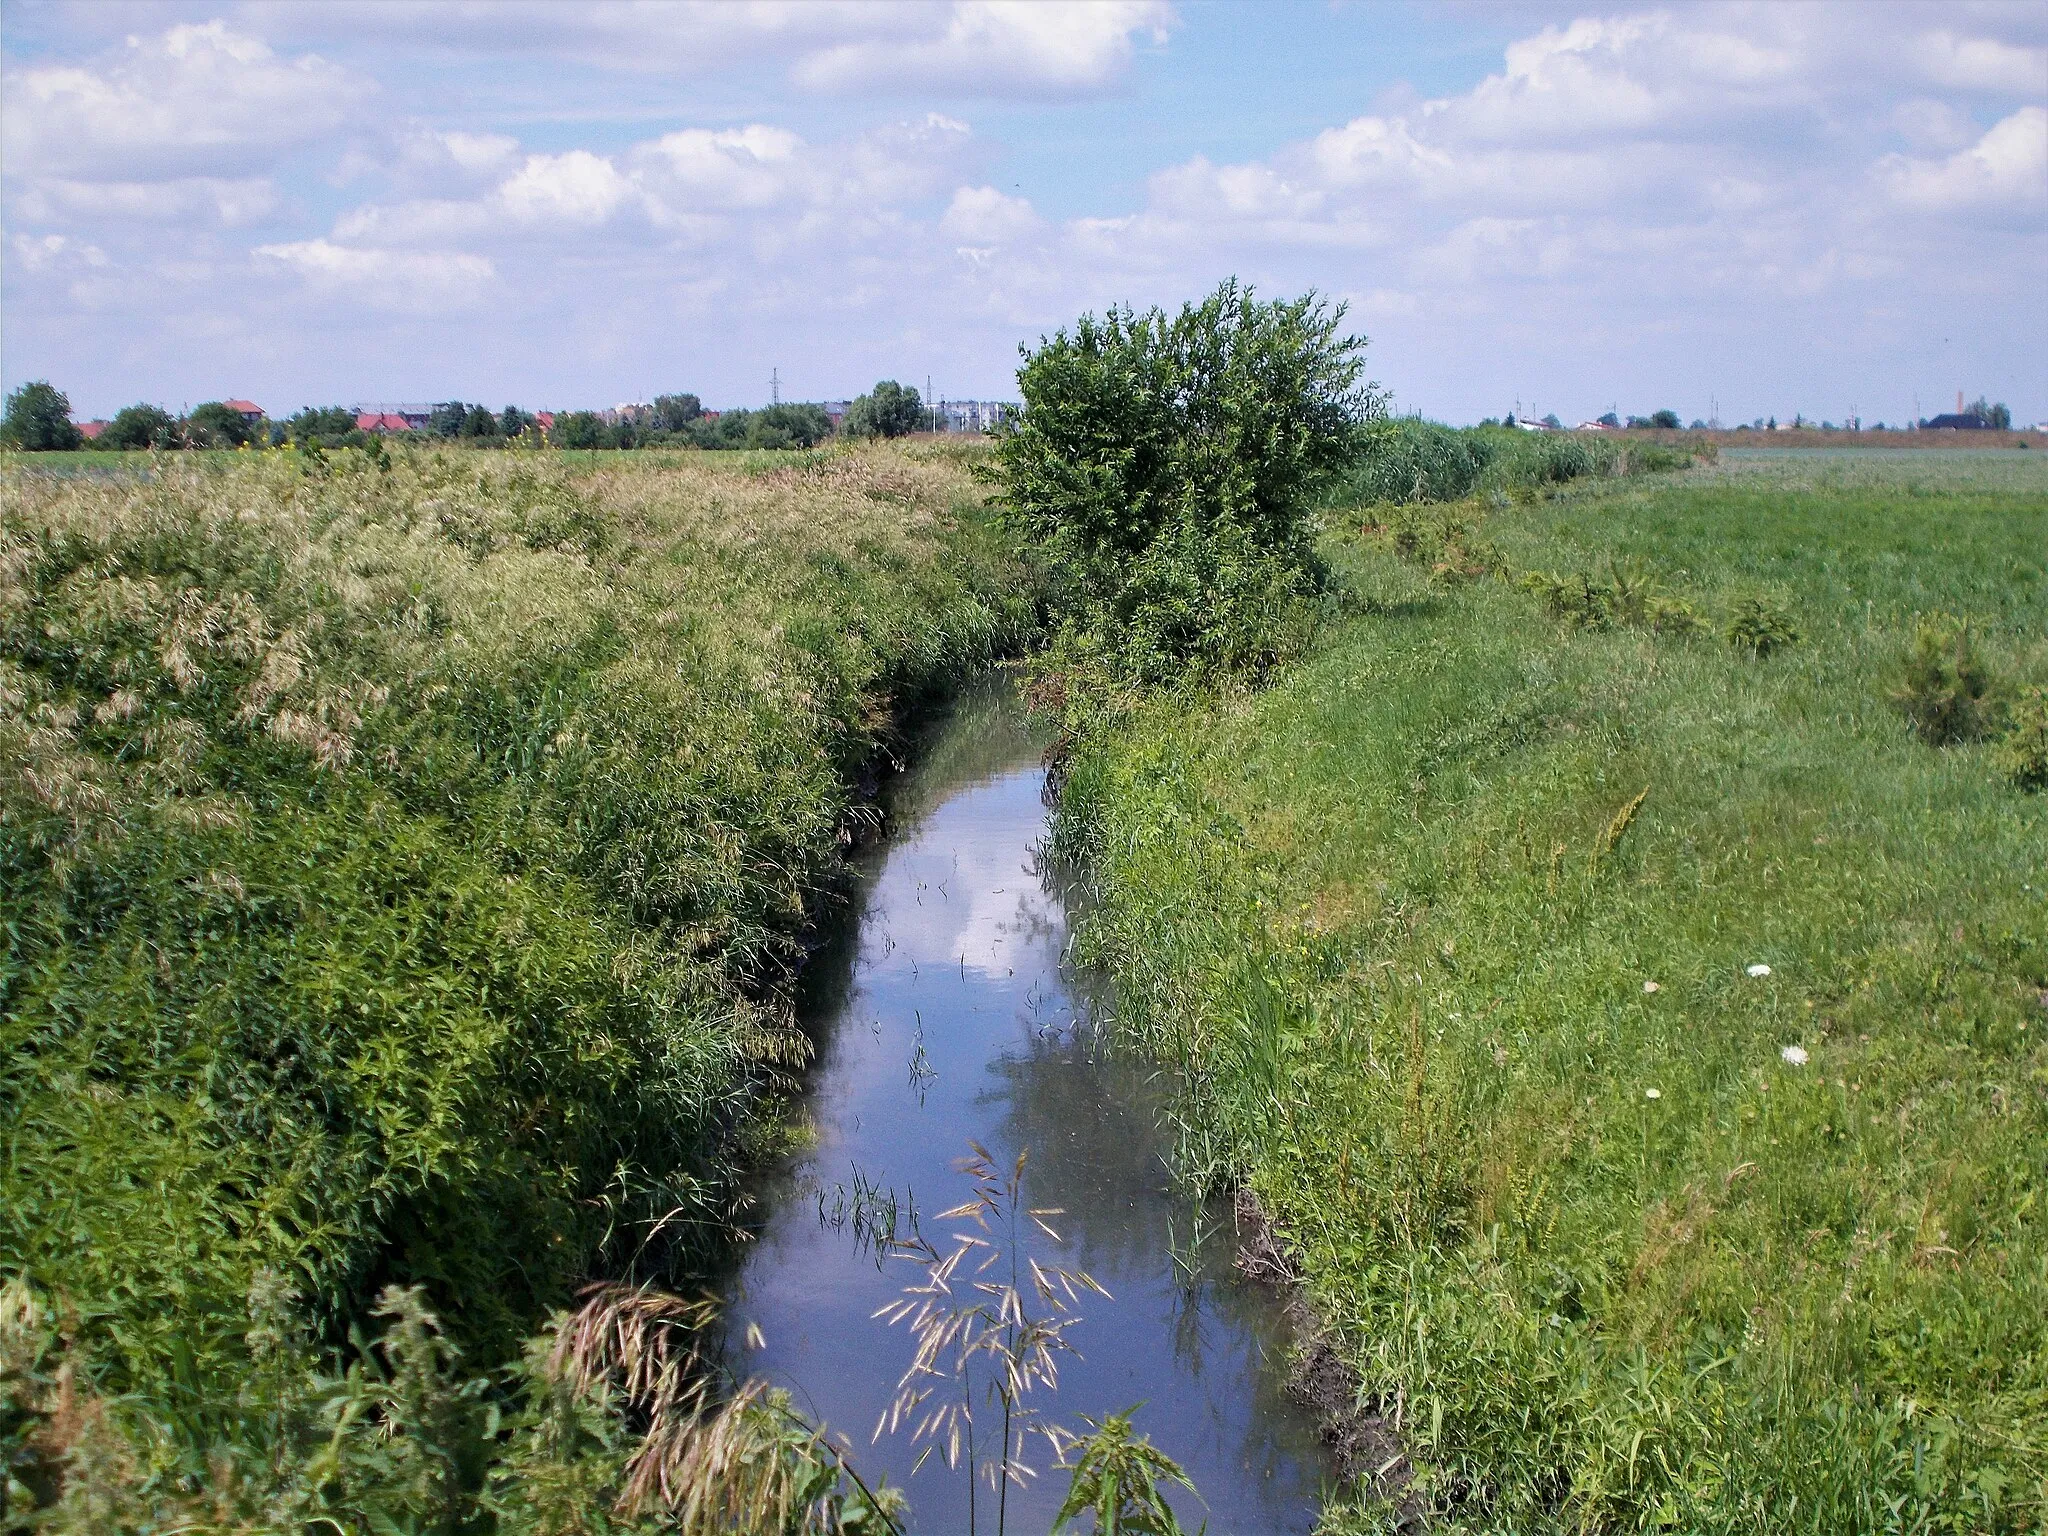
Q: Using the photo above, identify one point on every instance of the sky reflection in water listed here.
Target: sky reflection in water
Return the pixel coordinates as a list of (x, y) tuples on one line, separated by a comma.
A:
[(949, 1019)]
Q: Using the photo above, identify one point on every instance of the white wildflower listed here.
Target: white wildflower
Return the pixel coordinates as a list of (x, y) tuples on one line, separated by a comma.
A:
[(1793, 1055), (1758, 970), (1651, 986), (1653, 1093)]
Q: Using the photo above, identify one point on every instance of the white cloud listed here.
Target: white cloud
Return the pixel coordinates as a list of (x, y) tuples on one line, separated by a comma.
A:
[(197, 101), (37, 253), (696, 186), (183, 199), (999, 47), (479, 153), (702, 170), (1981, 63), (388, 279), (575, 188), (1930, 125), (985, 217), (1004, 48), (2006, 170)]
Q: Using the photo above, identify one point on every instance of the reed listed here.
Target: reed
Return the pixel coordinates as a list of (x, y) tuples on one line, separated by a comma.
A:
[(988, 1321)]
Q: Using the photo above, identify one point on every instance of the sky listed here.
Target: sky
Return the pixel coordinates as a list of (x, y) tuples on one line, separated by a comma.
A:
[(1743, 209)]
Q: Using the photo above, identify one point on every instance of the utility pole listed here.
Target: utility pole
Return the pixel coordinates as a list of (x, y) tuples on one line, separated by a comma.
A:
[(930, 424), (775, 386)]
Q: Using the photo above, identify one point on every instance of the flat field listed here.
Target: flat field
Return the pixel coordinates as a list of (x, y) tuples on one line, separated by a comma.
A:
[(1643, 1043), (403, 868)]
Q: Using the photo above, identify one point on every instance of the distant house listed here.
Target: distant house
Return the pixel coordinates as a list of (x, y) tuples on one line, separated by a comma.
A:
[(91, 429), (545, 420), (381, 421), (1956, 421), (248, 410)]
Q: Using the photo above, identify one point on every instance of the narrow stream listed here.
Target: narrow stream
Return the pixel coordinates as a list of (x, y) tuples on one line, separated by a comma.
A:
[(947, 1017)]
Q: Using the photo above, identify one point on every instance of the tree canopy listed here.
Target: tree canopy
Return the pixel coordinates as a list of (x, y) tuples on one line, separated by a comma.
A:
[(39, 420), (1166, 468), (888, 410), (143, 426), (214, 425), (674, 413)]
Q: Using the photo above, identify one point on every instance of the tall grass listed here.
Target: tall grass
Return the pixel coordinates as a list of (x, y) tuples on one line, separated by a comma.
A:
[(1640, 1040), (404, 862), (1405, 460)]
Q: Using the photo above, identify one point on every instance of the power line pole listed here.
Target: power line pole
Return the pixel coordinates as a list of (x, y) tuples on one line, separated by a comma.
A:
[(775, 386)]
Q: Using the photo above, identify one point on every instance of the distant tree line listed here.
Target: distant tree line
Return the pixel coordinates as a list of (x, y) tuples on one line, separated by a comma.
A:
[(38, 419)]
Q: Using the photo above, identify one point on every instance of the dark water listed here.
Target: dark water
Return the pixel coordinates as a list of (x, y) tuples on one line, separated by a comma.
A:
[(949, 1018)]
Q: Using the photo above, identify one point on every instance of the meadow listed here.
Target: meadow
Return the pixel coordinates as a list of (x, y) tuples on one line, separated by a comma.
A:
[(1637, 1036), (406, 858)]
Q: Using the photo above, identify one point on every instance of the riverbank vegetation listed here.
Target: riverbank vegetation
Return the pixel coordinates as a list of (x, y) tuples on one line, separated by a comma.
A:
[(1618, 956), (405, 860)]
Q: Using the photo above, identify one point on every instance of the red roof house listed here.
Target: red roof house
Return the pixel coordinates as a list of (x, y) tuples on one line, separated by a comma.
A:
[(248, 410), (91, 429), (382, 421)]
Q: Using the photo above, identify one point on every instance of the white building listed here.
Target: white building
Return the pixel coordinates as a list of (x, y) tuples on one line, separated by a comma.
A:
[(974, 415)]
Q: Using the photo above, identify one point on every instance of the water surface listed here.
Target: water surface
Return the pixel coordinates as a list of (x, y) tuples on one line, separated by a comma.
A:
[(949, 1016)]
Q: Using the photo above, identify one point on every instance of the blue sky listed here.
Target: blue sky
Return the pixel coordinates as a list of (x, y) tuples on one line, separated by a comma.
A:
[(1773, 208)]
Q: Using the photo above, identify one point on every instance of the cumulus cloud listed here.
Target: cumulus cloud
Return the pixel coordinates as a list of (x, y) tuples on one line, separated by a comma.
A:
[(575, 188), (694, 186), (2006, 170), (197, 101), (999, 48), (181, 199), (982, 216), (1981, 63), (387, 279), (37, 253)]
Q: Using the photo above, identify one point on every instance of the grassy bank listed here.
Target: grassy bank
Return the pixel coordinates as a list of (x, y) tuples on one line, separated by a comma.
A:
[(403, 870), (1456, 935)]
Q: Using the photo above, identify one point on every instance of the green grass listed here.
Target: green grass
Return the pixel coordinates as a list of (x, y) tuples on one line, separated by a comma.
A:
[(404, 870), (1610, 1259)]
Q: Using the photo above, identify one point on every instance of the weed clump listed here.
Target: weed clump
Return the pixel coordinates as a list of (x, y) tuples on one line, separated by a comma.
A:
[(1947, 694), (1760, 625), (2023, 755)]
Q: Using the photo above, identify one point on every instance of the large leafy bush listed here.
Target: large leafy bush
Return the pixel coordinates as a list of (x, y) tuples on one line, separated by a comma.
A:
[(1164, 469)]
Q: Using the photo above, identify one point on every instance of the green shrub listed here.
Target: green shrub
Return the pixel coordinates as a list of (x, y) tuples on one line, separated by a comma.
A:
[(1947, 694), (1164, 471), (1760, 625), (2023, 755)]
